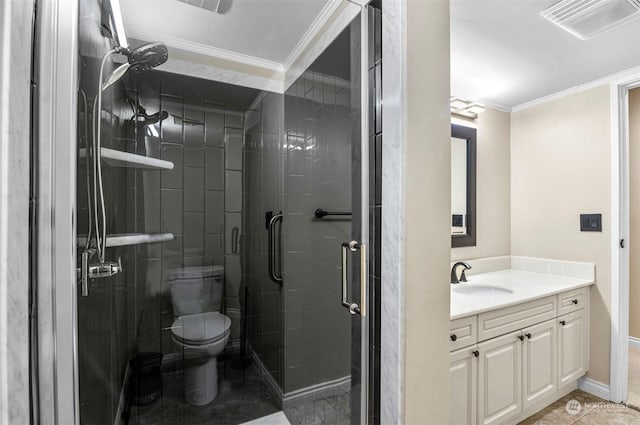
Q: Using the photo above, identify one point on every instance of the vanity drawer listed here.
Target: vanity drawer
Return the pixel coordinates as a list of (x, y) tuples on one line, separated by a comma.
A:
[(499, 322), (464, 332), (573, 300)]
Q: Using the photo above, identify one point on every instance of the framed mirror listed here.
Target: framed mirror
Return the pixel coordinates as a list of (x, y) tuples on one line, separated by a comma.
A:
[(463, 186)]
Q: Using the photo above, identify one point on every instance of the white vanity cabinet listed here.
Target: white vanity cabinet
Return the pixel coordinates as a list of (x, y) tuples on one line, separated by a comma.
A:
[(504, 379), (500, 378), (463, 370), (574, 347), (539, 362)]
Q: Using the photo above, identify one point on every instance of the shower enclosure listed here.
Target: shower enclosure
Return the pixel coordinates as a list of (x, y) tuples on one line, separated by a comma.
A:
[(219, 221)]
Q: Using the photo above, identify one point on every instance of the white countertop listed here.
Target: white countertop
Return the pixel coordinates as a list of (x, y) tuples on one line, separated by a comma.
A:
[(526, 286)]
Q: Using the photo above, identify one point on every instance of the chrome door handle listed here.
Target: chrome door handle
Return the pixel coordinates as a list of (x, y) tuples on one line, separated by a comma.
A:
[(353, 307), (276, 277)]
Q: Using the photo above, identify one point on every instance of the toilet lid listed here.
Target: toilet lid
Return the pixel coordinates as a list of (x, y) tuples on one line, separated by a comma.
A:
[(201, 328)]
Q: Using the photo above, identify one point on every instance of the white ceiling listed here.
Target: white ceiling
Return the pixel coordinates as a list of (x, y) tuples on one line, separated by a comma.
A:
[(264, 29), (503, 52)]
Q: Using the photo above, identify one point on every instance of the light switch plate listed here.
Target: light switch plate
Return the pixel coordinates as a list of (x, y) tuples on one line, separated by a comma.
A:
[(591, 222)]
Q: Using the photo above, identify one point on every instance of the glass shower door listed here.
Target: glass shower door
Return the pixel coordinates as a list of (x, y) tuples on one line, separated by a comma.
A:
[(239, 219)]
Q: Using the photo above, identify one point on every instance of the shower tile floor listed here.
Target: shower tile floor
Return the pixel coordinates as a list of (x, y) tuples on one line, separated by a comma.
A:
[(240, 399), (332, 410)]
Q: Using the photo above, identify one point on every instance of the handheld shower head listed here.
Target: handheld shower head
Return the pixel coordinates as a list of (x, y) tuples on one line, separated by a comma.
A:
[(142, 58), (147, 56)]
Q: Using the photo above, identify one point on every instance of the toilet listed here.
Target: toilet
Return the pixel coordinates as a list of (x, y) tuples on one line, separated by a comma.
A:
[(200, 330)]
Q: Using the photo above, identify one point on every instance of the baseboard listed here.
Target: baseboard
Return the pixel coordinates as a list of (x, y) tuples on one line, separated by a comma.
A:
[(595, 388), (634, 342), (295, 398), (271, 384), (122, 401), (315, 392)]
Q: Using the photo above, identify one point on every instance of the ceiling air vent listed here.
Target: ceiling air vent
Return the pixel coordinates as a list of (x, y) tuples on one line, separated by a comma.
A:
[(211, 5), (590, 18)]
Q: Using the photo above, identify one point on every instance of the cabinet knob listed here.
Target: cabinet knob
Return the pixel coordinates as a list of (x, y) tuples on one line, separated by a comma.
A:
[(562, 322), (521, 337), (476, 353), (574, 301), (453, 337), (528, 336)]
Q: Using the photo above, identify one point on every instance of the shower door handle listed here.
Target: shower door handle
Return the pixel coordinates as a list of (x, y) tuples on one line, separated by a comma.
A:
[(275, 276), (353, 307)]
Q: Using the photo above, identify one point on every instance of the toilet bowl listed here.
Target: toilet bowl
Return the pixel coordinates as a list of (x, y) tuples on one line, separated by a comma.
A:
[(201, 338), (200, 331)]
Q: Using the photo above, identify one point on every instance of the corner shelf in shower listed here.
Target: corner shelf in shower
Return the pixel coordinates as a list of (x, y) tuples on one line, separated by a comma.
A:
[(117, 158), (125, 239)]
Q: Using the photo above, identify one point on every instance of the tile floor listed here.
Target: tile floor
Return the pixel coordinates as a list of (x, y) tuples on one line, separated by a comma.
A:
[(633, 396), (241, 398), (592, 410), (331, 410)]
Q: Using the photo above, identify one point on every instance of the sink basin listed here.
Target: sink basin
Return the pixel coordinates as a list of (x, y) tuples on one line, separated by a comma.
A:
[(481, 290)]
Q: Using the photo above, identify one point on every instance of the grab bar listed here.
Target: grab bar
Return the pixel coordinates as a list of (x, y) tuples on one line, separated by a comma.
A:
[(235, 232), (320, 213), (277, 278)]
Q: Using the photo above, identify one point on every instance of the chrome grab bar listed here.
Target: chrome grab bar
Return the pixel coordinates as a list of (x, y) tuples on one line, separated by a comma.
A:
[(235, 232), (277, 278), (353, 307)]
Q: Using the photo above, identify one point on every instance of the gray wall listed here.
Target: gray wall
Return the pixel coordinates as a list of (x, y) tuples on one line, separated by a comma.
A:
[(318, 125), (263, 173), (107, 318), (199, 201), (297, 159), (203, 136)]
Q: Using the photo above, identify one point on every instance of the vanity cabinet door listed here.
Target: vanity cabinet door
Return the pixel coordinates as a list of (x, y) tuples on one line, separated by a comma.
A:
[(539, 364), (463, 373), (500, 378), (573, 349)]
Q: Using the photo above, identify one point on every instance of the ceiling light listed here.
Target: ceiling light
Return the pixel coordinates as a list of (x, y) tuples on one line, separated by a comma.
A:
[(465, 108), (476, 108), (457, 103), (586, 19)]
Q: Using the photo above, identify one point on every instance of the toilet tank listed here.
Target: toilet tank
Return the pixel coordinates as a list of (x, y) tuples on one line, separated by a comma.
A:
[(196, 289)]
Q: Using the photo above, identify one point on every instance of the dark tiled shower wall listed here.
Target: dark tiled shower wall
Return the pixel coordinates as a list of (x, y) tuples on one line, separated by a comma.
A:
[(318, 120), (375, 206), (203, 136), (263, 159), (199, 201), (107, 318)]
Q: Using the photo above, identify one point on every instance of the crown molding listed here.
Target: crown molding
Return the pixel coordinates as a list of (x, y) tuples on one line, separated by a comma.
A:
[(278, 68), (203, 49), (494, 105), (329, 13), (577, 89), (307, 38)]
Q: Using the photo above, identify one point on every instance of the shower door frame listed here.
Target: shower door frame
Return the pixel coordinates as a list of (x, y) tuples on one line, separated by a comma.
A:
[(56, 53), (55, 182), (365, 182)]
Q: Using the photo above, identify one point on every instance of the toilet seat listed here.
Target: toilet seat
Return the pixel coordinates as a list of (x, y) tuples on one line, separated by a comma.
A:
[(201, 328)]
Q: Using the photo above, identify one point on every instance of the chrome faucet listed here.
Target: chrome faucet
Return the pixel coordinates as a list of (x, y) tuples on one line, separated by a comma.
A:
[(454, 273)]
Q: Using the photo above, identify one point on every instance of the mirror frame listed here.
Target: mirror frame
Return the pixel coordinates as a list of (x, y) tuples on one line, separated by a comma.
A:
[(469, 134)]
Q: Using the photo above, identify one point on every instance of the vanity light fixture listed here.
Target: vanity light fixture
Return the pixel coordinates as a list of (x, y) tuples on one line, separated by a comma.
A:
[(465, 108), (586, 19)]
